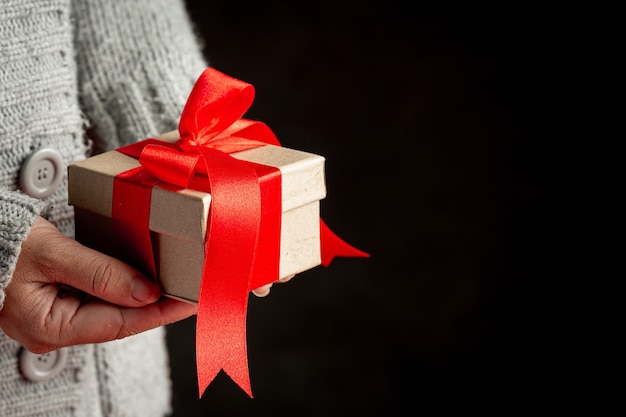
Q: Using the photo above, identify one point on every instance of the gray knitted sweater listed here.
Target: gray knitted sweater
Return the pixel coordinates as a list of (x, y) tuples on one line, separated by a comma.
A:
[(122, 70)]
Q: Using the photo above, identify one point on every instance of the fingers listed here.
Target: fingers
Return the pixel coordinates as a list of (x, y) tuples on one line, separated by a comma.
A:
[(72, 322), (262, 291), (265, 289), (98, 321), (286, 279), (108, 279)]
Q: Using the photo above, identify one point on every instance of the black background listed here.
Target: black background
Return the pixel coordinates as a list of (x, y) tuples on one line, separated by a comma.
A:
[(439, 162)]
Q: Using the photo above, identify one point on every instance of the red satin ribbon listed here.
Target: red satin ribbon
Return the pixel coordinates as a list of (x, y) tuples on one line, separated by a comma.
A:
[(243, 235)]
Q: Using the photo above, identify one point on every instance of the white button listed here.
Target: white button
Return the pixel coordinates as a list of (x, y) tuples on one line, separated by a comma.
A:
[(42, 173), (42, 367)]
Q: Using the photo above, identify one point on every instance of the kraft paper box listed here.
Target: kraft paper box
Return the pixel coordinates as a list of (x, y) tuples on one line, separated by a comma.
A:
[(178, 219)]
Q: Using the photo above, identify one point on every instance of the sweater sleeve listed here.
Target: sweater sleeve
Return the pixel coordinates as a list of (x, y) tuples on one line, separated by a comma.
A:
[(17, 215), (137, 61)]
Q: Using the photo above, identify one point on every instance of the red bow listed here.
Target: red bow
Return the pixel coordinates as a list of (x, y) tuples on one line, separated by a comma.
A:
[(243, 233)]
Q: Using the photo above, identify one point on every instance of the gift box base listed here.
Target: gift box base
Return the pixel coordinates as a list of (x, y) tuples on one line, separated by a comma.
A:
[(179, 262)]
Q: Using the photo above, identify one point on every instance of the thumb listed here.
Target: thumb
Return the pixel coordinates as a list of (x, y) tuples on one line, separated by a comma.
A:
[(66, 261), (109, 279)]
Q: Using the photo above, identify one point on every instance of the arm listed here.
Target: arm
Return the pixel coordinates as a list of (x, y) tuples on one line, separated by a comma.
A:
[(130, 85)]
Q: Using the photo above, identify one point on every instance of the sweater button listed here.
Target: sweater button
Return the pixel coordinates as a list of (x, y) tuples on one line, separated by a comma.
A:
[(42, 367), (42, 173)]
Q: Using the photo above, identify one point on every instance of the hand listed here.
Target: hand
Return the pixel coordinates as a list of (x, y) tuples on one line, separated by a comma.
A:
[(63, 293), (265, 289)]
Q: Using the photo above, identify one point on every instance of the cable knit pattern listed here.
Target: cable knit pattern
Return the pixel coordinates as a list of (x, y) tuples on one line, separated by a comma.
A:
[(121, 70), (124, 95)]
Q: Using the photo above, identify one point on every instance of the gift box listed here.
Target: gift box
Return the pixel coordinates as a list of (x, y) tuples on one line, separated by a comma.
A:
[(211, 212), (178, 217)]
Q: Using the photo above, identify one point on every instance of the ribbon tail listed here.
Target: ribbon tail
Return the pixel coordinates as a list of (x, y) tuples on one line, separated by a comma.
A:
[(333, 246), (232, 235), (221, 345)]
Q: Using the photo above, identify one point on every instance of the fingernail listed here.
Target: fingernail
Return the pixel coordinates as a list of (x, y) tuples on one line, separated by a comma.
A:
[(144, 291)]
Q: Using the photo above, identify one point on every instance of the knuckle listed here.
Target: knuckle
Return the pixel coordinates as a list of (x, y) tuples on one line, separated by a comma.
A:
[(124, 329), (105, 278)]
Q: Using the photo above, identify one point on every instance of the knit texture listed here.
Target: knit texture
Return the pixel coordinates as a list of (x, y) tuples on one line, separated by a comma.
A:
[(38, 104), (83, 76), (17, 215), (141, 92)]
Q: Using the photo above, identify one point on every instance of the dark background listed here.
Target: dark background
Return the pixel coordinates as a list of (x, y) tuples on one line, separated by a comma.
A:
[(440, 163)]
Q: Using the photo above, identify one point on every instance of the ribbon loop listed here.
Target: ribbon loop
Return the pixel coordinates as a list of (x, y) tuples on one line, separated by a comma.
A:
[(169, 165), (215, 103)]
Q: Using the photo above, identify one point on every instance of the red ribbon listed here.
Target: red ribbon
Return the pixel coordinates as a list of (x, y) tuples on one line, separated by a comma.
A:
[(242, 246)]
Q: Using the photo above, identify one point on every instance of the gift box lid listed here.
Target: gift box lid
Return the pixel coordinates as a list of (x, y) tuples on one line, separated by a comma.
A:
[(91, 187)]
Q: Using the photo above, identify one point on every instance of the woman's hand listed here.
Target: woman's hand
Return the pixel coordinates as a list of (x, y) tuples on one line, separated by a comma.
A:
[(63, 293)]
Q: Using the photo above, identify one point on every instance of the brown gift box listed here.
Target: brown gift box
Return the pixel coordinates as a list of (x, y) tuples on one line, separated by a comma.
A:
[(178, 219)]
